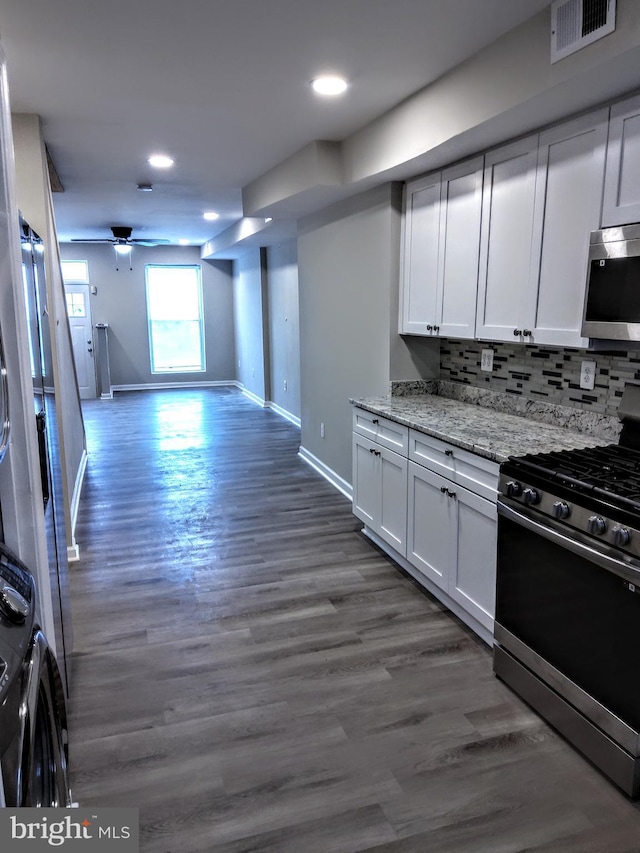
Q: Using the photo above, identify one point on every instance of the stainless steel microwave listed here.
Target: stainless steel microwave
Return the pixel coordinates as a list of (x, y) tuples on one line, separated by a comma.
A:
[(612, 302)]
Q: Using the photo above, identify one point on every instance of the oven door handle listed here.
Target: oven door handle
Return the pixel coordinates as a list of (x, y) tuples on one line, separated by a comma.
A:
[(548, 531)]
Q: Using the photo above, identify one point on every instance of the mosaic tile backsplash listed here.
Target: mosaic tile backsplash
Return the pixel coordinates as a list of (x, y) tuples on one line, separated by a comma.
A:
[(551, 374)]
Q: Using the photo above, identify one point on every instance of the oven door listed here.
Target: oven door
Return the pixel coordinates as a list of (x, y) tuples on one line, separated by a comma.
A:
[(569, 611)]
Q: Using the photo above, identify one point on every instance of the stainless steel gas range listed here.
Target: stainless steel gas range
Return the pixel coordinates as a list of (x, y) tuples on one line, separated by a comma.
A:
[(567, 632)]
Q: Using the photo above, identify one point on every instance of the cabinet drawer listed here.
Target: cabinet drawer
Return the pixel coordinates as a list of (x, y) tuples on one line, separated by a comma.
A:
[(431, 453), (384, 431), (474, 472)]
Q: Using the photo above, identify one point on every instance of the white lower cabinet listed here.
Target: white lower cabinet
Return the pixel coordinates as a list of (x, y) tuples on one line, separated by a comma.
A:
[(434, 504), (451, 540), (380, 490)]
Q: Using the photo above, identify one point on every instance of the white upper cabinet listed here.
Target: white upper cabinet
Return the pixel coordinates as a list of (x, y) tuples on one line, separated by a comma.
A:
[(460, 211), (569, 186), (508, 199), (622, 182), (440, 252), (419, 274)]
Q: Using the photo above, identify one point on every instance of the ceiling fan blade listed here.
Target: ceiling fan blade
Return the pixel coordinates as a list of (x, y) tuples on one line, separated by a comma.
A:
[(149, 241), (92, 240)]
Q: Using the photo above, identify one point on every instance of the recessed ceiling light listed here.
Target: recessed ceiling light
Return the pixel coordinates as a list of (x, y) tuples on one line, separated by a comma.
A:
[(329, 84), (183, 242), (145, 188), (160, 161), (210, 215)]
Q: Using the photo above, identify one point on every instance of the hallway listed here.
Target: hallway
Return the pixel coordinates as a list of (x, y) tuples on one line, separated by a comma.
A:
[(254, 675)]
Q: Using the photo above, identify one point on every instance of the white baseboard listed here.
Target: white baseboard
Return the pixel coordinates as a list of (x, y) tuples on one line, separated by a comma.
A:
[(158, 386), (253, 397), (328, 473), (284, 414)]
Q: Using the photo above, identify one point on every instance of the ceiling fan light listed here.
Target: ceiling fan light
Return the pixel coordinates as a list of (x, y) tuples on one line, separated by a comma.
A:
[(160, 161), (210, 215), (122, 248)]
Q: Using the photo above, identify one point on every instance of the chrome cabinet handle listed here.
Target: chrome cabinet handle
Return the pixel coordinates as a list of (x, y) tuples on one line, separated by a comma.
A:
[(446, 491), (448, 453), (527, 333), (375, 421), (517, 332), (429, 328)]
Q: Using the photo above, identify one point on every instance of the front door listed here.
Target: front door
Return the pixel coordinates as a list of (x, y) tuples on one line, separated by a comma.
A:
[(79, 311)]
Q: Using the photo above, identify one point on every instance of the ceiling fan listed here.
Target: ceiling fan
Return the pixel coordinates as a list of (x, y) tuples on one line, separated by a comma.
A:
[(122, 237)]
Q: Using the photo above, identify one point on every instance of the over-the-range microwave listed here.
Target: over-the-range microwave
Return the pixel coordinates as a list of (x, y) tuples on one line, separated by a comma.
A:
[(612, 302)]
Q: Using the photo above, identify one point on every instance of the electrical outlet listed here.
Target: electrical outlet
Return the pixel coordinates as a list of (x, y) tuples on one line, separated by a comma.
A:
[(285, 384), (321, 430), (587, 375), (486, 360)]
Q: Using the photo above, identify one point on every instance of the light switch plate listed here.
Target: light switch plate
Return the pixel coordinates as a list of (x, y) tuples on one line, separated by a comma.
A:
[(587, 375), (486, 360)]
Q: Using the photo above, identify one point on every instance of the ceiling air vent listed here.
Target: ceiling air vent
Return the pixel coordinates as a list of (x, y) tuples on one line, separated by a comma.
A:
[(577, 23)]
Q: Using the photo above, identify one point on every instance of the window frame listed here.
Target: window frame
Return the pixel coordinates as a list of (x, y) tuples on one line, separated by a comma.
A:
[(155, 371)]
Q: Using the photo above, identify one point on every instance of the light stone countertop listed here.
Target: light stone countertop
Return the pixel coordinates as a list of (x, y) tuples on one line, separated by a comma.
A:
[(485, 431)]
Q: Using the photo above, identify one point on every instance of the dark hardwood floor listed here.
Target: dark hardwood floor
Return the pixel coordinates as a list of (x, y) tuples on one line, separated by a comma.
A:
[(254, 675)]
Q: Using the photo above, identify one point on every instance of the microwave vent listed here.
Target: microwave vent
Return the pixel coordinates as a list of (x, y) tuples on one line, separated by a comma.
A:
[(577, 23)]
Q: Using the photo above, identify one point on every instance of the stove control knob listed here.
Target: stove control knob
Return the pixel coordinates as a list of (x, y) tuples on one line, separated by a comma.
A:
[(530, 497), (621, 536), (13, 605), (514, 489), (561, 510), (596, 525)]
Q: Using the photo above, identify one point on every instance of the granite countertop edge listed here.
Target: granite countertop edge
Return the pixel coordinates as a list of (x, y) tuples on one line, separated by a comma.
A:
[(484, 431)]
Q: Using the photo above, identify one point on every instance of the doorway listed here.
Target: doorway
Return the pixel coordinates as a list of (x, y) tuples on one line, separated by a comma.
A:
[(81, 328)]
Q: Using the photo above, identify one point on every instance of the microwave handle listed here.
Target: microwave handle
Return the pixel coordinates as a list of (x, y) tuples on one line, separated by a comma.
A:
[(574, 544)]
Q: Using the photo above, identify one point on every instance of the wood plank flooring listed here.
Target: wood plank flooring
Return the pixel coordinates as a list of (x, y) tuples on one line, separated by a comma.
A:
[(254, 675)]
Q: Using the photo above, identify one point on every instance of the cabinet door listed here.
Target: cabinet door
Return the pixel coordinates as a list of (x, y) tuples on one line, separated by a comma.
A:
[(569, 188), (622, 180), (392, 525), (473, 577), (366, 480), (431, 524), (460, 211), (508, 197), (419, 276)]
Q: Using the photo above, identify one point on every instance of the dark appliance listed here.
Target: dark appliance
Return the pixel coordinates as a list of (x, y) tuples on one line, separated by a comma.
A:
[(567, 622), (612, 303), (33, 721)]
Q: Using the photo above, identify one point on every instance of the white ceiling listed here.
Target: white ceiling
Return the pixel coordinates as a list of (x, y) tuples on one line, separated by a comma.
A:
[(220, 85)]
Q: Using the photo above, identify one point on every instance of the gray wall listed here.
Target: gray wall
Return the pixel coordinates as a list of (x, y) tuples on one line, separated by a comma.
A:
[(120, 301), (284, 326), (348, 269), (250, 323), (35, 202)]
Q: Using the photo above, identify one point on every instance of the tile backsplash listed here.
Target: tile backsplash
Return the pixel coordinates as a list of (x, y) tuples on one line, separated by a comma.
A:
[(551, 374)]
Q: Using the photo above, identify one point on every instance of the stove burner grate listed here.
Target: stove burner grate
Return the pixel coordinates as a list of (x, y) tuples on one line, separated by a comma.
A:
[(605, 472)]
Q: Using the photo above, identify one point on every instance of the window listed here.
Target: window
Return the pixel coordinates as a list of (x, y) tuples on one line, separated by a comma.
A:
[(75, 305), (174, 309), (75, 271)]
